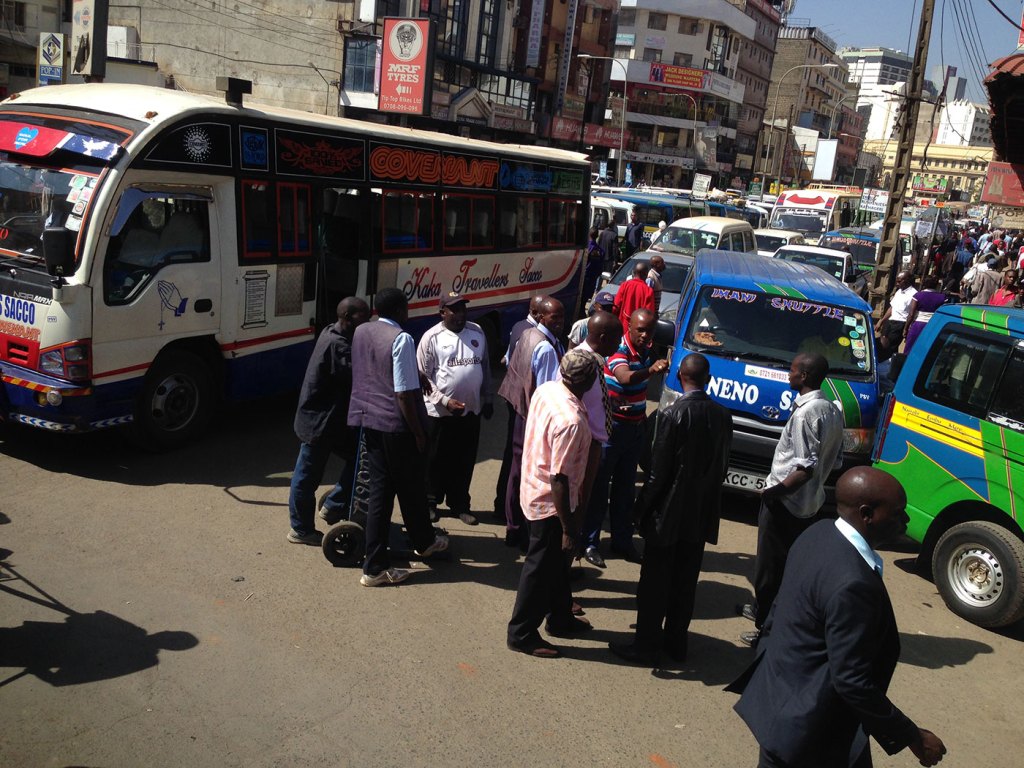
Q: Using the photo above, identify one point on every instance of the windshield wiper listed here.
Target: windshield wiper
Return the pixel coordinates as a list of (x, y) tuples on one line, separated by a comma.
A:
[(758, 356)]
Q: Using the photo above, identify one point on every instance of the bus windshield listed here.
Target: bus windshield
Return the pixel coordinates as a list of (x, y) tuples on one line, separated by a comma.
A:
[(33, 198), (862, 249), (806, 220), (755, 326), (684, 240)]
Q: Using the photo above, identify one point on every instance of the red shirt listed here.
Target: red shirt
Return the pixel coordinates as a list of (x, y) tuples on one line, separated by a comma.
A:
[(632, 295)]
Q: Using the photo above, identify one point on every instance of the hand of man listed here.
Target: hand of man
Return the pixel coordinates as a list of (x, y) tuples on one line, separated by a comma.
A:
[(455, 407), (928, 749), (487, 410), (772, 492), (568, 543), (659, 366), (425, 384)]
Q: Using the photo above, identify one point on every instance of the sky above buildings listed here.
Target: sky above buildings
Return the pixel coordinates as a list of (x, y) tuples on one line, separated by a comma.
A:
[(894, 24)]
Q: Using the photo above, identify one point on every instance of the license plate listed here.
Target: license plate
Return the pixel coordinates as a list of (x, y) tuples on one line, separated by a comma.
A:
[(744, 481)]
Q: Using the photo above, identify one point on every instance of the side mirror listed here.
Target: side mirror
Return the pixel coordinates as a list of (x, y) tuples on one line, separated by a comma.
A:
[(58, 250), (605, 278), (664, 334)]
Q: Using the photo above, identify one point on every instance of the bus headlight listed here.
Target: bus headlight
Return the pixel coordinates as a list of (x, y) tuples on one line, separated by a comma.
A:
[(858, 440), (54, 397), (52, 362)]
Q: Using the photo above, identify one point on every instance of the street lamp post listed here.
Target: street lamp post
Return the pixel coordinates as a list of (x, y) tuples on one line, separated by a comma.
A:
[(625, 83), (775, 109), (832, 117), (683, 93)]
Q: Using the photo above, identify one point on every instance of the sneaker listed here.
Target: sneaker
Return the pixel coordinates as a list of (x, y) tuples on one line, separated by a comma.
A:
[(440, 544), (314, 538), (330, 516), (390, 576)]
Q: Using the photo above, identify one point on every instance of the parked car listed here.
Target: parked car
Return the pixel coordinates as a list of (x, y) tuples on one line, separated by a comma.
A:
[(837, 263), (770, 240), (690, 235), (677, 267)]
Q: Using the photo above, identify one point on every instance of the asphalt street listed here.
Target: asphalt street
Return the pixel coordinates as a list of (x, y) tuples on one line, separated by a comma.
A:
[(152, 614)]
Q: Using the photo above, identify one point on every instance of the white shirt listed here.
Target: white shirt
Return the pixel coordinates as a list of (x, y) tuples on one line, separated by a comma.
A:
[(457, 366), (900, 304), (860, 543)]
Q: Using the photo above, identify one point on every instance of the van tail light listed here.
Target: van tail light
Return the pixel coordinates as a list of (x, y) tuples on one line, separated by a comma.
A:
[(71, 361), (888, 405)]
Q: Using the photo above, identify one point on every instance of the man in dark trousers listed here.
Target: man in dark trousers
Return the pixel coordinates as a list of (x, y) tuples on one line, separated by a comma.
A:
[(634, 234), (608, 240), (554, 465), (534, 362), (809, 450), (321, 425), (387, 404), (530, 321), (677, 513), (817, 689)]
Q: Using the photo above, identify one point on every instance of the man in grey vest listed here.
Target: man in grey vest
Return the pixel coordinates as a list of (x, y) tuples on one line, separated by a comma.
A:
[(533, 362), (388, 405)]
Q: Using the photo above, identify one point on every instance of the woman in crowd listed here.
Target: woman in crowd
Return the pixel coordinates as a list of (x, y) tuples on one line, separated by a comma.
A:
[(922, 307)]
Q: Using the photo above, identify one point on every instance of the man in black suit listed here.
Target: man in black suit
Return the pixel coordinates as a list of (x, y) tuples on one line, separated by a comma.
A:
[(827, 653), (677, 513)]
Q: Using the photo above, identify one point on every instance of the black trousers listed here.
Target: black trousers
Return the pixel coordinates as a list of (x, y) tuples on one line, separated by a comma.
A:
[(543, 583), (393, 466), (506, 466), (768, 760), (777, 529), (666, 593), (451, 453)]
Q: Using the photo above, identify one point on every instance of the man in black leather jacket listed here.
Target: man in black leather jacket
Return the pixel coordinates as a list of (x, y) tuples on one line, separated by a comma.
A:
[(677, 513)]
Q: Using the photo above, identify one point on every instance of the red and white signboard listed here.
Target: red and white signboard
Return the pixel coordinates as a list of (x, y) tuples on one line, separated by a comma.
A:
[(1004, 185), (406, 70)]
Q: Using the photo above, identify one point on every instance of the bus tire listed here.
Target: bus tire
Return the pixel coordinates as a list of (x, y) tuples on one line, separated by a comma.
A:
[(176, 402), (978, 568)]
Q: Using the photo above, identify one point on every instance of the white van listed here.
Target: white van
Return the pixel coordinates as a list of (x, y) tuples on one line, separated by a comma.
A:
[(697, 233)]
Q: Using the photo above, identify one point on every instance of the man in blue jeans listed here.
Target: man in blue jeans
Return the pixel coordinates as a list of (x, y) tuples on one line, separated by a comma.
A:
[(321, 424), (626, 373)]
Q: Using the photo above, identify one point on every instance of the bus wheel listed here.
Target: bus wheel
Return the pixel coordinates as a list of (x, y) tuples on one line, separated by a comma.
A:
[(176, 402), (979, 570)]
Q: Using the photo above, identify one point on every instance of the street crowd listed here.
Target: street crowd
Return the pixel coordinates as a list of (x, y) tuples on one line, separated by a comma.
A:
[(825, 638)]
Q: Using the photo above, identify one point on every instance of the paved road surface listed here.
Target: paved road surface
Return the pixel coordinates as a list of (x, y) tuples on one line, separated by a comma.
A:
[(152, 613)]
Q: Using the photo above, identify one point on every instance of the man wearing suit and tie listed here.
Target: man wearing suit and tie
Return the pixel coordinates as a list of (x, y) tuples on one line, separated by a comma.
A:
[(817, 688)]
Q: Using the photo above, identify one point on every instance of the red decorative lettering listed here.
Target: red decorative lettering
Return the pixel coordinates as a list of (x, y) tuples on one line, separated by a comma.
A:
[(321, 158)]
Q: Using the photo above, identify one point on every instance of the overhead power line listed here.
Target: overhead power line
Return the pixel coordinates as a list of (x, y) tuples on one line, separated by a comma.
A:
[(1000, 12)]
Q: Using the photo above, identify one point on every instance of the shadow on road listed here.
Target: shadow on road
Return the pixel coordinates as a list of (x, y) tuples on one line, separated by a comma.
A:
[(81, 647), (939, 652)]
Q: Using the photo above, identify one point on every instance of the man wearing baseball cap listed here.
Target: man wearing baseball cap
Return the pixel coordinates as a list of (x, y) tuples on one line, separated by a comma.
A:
[(578, 333), (453, 357)]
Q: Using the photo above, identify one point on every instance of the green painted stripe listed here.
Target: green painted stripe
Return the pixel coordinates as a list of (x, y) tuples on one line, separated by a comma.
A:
[(771, 290), (842, 392), (998, 471), (997, 322)]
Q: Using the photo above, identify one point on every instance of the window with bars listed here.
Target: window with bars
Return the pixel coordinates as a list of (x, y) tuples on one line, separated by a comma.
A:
[(360, 64)]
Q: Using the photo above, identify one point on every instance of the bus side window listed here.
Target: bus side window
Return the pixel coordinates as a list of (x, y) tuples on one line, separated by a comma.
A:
[(962, 372), (159, 231), (1008, 402)]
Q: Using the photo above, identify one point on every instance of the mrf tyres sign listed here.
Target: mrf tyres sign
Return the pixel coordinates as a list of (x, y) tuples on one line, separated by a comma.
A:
[(407, 66)]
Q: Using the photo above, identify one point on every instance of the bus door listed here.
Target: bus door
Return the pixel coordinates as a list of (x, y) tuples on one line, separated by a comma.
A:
[(160, 273), (344, 267)]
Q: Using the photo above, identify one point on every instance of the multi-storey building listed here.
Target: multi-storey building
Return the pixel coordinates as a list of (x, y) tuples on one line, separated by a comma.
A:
[(809, 84), (754, 71), (20, 26), (869, 67), (677, 66), (937, 171), (964, 123)]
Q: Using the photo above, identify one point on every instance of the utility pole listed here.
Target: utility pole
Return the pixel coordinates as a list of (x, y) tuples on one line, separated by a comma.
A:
[(886, 268)]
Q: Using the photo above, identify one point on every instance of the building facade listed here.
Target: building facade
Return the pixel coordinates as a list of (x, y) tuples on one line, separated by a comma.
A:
[(683, 98), (938, 172), (754, 72), (964, 123)]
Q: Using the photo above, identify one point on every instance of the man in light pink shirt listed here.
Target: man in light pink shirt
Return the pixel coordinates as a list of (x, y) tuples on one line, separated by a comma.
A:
[(555, 452)]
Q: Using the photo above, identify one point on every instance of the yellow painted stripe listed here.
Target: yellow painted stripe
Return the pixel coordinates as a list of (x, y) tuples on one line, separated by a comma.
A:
[(944, 431), (43, 388)]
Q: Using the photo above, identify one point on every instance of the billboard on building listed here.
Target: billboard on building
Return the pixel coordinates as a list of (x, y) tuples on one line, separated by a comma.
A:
[(923, 184), (874, 200), (707, 148), (1004, 185), (50, 59), (406, 70), (825, 159), (89, 37), (535, 33), (680, 77)]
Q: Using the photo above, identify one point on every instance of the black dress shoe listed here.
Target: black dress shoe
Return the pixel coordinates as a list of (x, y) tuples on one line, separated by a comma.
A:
[(592, 556), (746, 610), (634, 654), (572, 628)]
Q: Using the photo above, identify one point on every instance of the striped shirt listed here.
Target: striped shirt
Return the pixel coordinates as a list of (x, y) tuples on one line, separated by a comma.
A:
[(557, 442), (628, 401)]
